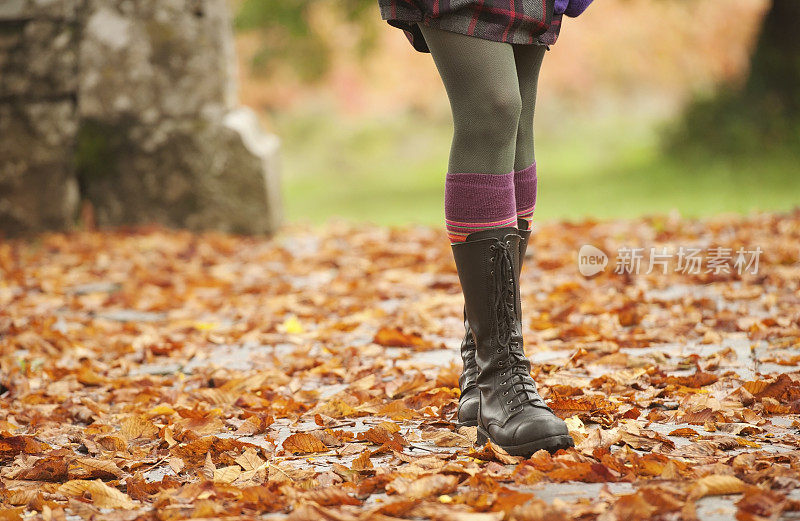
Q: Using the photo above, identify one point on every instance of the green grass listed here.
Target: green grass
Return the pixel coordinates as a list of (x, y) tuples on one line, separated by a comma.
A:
[(391, 171)]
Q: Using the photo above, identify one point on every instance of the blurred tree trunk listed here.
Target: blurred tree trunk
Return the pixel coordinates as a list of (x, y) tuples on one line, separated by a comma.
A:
[(775, 65), (763, 113)]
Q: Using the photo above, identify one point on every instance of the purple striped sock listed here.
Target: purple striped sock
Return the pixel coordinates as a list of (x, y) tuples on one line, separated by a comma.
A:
[(475, 202), (525, 193)]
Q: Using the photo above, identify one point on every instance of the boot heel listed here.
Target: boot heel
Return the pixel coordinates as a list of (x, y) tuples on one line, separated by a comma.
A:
[(482, 438)]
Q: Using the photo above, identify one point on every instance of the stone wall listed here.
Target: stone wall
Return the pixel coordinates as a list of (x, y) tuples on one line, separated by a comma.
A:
[(131, 106)]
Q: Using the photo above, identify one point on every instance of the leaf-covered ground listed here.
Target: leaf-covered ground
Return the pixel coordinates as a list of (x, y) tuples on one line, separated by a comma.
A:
[(167, 375)]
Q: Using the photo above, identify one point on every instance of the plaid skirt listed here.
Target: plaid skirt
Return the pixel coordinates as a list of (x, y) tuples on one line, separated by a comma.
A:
[(510, 21)]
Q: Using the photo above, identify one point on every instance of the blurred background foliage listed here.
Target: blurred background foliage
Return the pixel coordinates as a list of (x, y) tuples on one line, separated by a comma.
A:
[(646, 106), (289, 29)]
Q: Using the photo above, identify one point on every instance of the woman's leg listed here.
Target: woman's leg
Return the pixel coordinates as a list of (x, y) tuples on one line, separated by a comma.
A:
[(497, 391), (480, 77), (528, 60), (481, 81)]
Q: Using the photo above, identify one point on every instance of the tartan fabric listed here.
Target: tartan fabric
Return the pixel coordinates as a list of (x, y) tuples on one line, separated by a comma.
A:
[(510, 21)]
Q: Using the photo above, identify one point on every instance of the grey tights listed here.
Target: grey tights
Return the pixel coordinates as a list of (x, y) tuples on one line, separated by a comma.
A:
[(492, 91)]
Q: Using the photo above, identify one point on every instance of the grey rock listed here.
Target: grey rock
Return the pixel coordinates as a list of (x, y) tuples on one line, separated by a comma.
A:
[(38, 59), (15, 10), (12, 9), (196, 173), (173, 58), (135, 103), (38, 190)]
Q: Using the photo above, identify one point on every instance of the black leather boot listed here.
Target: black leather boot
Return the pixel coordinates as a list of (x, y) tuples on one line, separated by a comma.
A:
[(468, 382), (510, 411)]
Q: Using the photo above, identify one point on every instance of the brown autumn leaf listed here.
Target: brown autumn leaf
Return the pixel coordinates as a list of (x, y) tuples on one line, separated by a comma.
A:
[(380, 436), (406, 384), (7, 427), (137, 426), (700, 416), (577, 471), (587, 404), (92, 468), (446, 438), (396, 337), (194, 453), (98, 493), (716, 485), (758, 504), (176, 464), (253, 425), (363, 461), (227, 474), (633, 507), (288, 474), (54, 469), (395, 509), (773, 406), (10, 445), (644, 439), (328, 438), (208, 467), (311, 511), (330, 496), (664, 498), (112, 443), (537, 510), (337, 409), (12, 514), (492, 452), (87, 376), (696, 380), (630, 314), (684, 432), (397, 410), (781, 387), (430, 485), (249, 460), (389, 427), (303, 443)]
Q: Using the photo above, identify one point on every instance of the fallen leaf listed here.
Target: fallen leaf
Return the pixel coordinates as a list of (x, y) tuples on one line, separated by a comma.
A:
[(100, 494), (716, 485), (303, 443)]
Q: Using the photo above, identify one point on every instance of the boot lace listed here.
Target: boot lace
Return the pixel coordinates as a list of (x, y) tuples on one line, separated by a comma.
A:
[(516, 367)]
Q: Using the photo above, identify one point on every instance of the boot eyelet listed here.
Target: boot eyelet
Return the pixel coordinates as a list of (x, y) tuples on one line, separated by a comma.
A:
[(505, 393), (509, 402)]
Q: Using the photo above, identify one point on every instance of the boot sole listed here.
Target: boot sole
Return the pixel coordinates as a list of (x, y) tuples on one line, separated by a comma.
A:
[(551, 444), (470, 423)]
